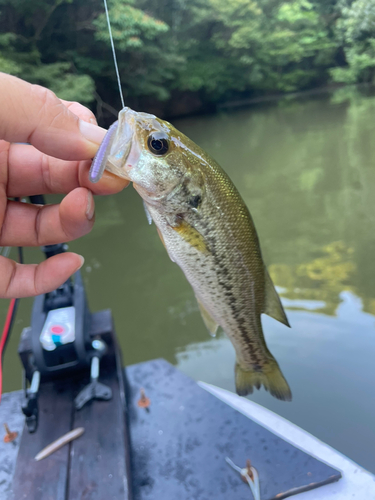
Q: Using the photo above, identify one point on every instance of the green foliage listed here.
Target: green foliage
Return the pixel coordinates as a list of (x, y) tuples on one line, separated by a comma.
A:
[(285, 49), (256, 45), (356, 32), (212, 49), (143, 57), (131, 27), (26, 46)]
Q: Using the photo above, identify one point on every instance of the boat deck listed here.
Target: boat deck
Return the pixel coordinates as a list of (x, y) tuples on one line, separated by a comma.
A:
[(179, 446), (356, 483)]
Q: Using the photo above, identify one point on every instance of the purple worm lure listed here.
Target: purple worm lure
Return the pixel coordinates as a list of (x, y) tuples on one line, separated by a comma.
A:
[(101, 157)]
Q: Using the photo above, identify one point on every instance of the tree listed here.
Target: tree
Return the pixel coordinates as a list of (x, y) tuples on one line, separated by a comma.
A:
[(356, 33), (170, 51), (64, 45)]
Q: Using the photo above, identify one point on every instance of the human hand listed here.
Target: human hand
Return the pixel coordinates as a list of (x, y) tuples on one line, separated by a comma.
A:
[(64, 138)]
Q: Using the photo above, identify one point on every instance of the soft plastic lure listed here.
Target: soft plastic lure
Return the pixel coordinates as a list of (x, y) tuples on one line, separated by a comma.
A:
[(101, 157)]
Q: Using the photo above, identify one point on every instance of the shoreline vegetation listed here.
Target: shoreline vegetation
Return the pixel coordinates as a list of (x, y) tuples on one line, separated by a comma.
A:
[(179, 57)]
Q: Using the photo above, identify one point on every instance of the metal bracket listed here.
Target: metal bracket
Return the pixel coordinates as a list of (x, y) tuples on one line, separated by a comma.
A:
[(94, 390), (30, 408)]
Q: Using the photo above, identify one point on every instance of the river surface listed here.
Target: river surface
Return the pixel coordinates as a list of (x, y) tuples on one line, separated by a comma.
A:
[(306, 170)]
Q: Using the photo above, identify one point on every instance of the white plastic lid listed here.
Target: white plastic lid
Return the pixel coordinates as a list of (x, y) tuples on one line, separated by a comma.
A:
[(59, 328)]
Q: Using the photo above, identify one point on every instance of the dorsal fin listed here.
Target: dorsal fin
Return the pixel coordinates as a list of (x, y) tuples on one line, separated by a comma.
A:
[(210, 323), (272, 305)]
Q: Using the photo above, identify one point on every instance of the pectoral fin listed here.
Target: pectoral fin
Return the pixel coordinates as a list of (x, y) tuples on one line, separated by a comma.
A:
[(210, 323), (192, 236), (273, 306), (148, 215)]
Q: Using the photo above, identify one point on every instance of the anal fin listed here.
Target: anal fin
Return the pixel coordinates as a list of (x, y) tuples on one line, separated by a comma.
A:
[(273, 306), (210, 323)]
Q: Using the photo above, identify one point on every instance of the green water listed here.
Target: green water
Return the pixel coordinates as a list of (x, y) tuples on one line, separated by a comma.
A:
[(307, 172)]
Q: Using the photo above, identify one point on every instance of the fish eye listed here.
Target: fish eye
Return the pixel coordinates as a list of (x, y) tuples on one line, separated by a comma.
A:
[(158, 144)]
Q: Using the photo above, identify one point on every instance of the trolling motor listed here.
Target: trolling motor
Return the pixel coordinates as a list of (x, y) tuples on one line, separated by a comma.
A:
[(65, 351), (59, 344)]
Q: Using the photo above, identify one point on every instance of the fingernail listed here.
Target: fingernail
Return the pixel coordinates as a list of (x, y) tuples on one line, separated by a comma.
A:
[(92, 132), (90, 209), (93, 121), (82, 261)]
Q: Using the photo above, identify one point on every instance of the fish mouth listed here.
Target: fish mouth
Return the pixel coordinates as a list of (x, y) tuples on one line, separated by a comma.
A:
[(125, 149), (119, 152), (120, 158)]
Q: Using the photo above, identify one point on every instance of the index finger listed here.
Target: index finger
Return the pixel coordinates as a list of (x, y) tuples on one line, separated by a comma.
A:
[(33, 114), (31, 172)]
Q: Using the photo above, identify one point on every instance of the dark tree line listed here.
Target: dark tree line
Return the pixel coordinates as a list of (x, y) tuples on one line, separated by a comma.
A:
[(181, 56)]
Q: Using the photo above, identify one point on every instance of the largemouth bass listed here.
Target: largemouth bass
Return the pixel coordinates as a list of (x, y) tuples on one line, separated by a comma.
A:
[(208, 231)]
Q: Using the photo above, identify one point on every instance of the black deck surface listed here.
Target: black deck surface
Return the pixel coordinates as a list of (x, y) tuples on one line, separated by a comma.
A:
[(179, 446)]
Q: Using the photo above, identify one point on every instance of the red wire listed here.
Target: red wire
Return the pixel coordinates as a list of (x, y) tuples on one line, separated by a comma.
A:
[(4, 336)]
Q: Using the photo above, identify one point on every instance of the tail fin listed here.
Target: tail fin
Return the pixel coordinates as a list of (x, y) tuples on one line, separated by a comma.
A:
[(270, 377)]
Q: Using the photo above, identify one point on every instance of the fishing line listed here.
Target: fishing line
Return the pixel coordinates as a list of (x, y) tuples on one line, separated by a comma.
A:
[(99, 162), (114, 53)]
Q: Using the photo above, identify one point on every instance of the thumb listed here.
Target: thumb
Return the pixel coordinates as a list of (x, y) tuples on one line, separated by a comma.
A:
[(30, 113)]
